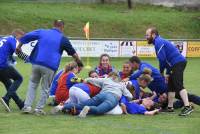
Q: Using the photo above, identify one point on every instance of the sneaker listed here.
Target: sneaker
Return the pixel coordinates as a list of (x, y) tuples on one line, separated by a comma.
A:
[(6, 106), (186, 110), (26, 110), (56, 109), (39, 112), (168, 109), (84, 112)]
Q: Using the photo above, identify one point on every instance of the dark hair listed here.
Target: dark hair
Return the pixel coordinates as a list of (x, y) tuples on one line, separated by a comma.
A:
[(135, 59), (91, 72), (154, 30), (106, 55), (155, 106), (58, 23)]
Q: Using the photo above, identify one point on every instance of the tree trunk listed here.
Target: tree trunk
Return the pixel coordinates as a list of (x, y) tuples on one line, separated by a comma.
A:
[(129, 4)]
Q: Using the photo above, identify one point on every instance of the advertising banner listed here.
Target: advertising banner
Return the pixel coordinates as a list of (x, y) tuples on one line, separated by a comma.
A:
[(182, 47), (193, 49), (94, 48), (145, 50), (127, 48)]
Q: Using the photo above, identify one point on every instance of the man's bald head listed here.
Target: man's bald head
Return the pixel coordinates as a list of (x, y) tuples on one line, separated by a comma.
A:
[(152, 30), (59, 24)]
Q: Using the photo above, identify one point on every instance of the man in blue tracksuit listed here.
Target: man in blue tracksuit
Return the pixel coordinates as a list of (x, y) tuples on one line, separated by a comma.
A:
[(158, 85), (9, 76), (45, 59), (170, 59)]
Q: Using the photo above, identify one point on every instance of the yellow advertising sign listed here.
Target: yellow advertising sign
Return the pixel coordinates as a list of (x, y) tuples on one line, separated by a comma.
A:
[(145, 50), (193, 49)]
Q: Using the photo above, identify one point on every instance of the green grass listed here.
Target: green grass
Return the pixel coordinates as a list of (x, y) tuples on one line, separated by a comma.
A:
[(16, 123), (107, 21)]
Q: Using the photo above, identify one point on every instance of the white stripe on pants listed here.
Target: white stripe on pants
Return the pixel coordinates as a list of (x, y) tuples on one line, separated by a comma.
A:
[(46, 76), (77, 95)]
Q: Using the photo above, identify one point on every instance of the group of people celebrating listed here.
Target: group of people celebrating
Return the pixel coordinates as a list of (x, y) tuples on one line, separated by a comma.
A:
[(106, 90)]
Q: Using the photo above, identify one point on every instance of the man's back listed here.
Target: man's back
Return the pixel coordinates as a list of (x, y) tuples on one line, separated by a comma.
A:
[(7, 48), (48, 50)]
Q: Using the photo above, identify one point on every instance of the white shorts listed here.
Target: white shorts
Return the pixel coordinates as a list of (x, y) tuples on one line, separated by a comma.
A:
[(115, 111), (77, 95)]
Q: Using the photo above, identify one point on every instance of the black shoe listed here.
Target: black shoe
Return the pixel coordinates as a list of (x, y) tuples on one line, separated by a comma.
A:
[(53, 103), (20, 105), (168, 109), (5, 104), (186, 110)]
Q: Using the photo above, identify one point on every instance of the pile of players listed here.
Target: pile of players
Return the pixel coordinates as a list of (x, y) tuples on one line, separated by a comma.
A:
[(106, 91)]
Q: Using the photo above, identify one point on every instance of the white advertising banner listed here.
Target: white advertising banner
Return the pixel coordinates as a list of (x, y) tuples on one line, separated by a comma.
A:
[(94, 48), (115, 48), (127, 48)]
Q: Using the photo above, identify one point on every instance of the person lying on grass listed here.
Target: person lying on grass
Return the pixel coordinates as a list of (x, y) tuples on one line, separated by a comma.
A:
[(144, 106)]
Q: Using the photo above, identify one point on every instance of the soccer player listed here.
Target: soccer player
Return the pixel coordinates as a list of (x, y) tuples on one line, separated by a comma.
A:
[(107, 99), (141, 82), (9, 76), (158, 85), (170, 59), (65, 82), (45, 59), (126, 70), (144, 107), (104, 67)]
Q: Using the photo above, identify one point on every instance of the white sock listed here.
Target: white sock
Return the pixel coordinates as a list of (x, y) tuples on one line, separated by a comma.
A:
[(171, 96), (184, 97)]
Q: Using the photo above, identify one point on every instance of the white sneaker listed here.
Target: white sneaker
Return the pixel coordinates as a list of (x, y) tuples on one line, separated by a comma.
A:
[(39, 112), (26, 110), (56, 109), (5, 105), (84, 112)]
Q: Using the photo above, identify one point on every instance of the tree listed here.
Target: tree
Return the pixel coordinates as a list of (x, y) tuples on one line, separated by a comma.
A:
[(129, 4)]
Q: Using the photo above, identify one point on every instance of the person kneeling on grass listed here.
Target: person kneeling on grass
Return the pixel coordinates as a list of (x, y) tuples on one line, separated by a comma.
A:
[(107, 99)]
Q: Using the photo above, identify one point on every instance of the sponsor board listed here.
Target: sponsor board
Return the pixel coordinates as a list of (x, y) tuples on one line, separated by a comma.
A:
[(193, 49)]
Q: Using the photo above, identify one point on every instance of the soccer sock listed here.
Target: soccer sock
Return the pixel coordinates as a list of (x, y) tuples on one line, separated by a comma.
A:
[(184, 97), (22, 55), (171, 96)]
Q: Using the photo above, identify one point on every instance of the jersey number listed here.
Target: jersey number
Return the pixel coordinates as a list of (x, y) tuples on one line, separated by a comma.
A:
[(2, 42)]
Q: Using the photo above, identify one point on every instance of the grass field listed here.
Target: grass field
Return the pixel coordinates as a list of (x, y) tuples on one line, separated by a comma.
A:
[(106, 21), (16, 123)]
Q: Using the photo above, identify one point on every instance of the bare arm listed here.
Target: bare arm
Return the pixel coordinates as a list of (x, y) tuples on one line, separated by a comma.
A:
[(78, 61), (127, 93), (152, 112)]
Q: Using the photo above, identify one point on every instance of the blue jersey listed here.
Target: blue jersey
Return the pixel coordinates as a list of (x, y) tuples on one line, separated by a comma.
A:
[(7, 48), (49, 48), (54, 83), (134, 108), (158, 84), (167, 54), (84, 87), (136, 86), (155, 72), (131, 107)]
